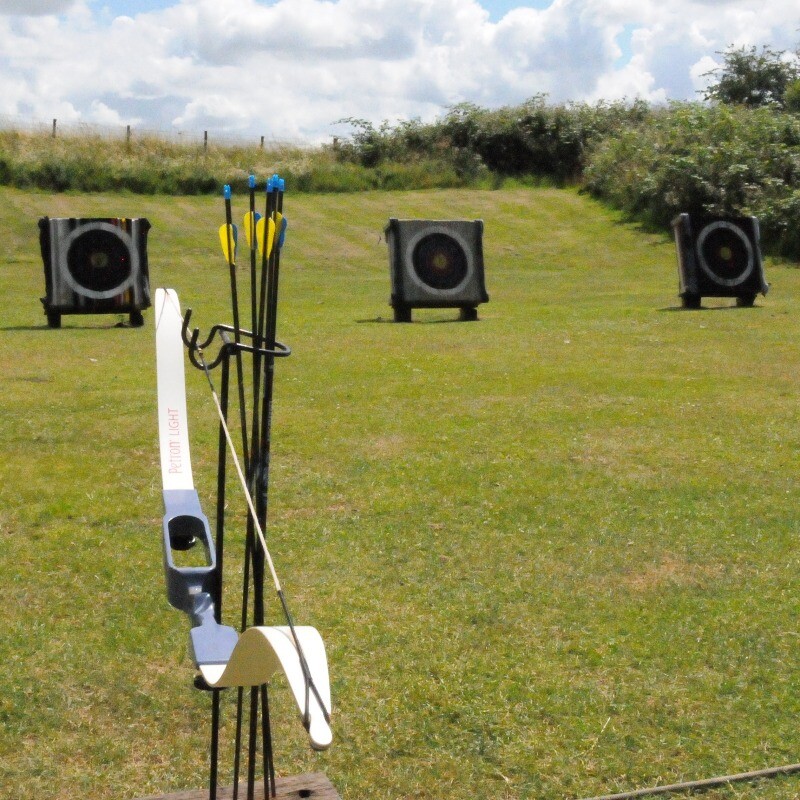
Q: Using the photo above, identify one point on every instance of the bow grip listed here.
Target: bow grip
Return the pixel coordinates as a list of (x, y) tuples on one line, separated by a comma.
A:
[(185, 526)]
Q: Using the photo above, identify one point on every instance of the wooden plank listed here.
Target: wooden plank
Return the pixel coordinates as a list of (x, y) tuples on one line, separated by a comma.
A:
[(311, 786)]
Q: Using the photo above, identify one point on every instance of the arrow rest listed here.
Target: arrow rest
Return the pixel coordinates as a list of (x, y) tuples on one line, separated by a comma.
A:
[(227, 346)]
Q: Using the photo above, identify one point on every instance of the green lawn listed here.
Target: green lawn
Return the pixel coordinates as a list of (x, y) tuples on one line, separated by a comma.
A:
[(552, 553)]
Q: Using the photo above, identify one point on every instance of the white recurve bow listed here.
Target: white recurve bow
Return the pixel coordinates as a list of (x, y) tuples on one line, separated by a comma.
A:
[(221, 655)]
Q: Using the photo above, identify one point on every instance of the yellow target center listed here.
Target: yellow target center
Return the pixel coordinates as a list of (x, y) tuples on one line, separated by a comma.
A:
[(99, 260), (440, 262), (725, 253)]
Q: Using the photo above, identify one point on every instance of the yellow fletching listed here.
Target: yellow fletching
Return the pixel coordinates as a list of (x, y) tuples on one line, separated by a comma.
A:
[(250, 227), (227, 238), (270, 237)]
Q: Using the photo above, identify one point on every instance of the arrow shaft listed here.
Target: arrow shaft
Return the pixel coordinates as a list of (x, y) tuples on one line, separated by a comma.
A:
[(237, 331)]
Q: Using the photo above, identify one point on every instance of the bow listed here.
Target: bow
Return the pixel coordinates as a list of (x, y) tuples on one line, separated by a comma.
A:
[(222, 657)]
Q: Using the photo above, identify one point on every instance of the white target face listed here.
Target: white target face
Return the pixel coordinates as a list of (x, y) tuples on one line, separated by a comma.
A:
[(99, 260), (725, 253)]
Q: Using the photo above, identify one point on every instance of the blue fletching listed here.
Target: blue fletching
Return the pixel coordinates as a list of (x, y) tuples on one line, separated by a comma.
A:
[(284, 226), (226, 192), (252, 182)]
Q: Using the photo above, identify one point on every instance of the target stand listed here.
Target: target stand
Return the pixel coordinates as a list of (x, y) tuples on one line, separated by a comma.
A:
[(718, 257), (436, 264)]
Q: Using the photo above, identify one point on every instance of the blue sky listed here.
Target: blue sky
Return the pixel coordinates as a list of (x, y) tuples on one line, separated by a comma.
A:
[(119, 8), (190, 65), (498, 8)]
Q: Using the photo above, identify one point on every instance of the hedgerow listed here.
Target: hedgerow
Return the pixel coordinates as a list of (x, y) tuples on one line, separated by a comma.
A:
[(706, 159), (533, 139)]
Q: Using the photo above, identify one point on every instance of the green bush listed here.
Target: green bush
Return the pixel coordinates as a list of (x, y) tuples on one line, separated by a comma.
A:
[(533, 139), (699, 159)]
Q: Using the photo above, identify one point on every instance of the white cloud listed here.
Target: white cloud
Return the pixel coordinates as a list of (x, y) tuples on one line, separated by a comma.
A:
[(701, 72), (100, 114), (290, 68), (630, 81)]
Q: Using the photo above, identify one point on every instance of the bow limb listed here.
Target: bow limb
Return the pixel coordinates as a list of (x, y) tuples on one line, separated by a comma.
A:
[(173, 427), (261, 651)]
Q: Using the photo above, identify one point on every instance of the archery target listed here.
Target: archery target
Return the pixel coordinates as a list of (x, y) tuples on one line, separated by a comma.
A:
[(99, 260), (436, 264), (725, 253), (95, 266), (718, 257)]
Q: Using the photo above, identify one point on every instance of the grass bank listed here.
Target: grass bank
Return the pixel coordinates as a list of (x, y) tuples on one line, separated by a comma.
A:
[(552, 553), (88, 162)]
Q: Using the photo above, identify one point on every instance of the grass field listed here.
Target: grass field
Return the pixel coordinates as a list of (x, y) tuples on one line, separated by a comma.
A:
[(553, 553)]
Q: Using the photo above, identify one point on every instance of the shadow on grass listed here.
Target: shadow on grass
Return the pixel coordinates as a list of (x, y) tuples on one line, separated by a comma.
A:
[(710, 308), (46, 327), (380, 319)]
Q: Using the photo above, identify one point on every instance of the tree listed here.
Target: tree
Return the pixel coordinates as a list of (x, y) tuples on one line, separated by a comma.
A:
[(753, 78)]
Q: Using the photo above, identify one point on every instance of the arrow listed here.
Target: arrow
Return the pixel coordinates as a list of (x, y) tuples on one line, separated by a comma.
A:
[(228, 235), (251, 220)]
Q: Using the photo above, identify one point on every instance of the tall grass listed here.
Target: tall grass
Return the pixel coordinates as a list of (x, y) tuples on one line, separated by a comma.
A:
[(149, 165), (153, 165)]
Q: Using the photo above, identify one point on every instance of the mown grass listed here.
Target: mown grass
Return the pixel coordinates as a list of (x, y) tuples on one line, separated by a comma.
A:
[(552, 553)]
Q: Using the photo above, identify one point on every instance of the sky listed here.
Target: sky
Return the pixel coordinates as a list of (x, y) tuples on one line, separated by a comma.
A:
[(290, 70)]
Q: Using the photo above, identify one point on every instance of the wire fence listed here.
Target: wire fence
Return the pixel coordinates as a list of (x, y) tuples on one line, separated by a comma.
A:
[(63, 128)]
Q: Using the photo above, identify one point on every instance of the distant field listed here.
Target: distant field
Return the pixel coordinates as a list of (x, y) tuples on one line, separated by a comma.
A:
[(552, 553)]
